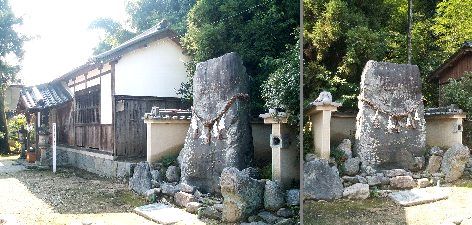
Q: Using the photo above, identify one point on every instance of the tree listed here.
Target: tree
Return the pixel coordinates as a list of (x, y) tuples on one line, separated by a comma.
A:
[(146, 13), (459, 92), (282, 87), (342, 35), (453, 24), (252, 28), (11, 45), (115, 34), (143, 14)]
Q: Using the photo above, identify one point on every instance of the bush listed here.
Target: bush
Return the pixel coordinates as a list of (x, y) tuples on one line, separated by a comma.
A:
[(459, 92), (15, 124), (282, 88)]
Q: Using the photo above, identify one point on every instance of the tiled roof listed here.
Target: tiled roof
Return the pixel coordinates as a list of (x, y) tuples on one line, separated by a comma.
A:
[(446, 110), (168, 114), (44, 96)]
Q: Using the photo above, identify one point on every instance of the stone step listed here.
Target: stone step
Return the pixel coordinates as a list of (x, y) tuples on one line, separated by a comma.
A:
[(165, 214), (419, 196)]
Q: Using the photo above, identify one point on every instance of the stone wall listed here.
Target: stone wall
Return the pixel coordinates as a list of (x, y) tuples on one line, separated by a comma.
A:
[(343, 126), (260, 135), (96, 163), (442, 131)]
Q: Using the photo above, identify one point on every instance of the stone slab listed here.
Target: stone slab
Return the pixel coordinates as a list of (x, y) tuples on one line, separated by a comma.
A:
[(390, 129), (165, 214), (419, 196), (220, 133)]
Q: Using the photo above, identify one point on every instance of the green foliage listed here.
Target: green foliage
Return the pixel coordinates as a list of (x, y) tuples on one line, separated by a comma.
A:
[(307, 139), (453, 24), (282, 88), (168, 160), (342, 35), (459, 92), (143, 14), (339, 157), (11, 44), (146, 13), (15, 125), (115, 34), (266, 172), (375, 192), (254, 29)]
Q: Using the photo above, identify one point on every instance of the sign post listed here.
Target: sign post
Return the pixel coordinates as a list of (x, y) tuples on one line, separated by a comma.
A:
[(54, 147)]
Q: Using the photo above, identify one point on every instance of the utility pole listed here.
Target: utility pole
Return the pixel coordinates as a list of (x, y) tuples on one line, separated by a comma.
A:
[(410, 22)]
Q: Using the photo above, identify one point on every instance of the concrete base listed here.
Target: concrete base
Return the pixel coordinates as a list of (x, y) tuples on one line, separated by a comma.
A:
[(97, 163)]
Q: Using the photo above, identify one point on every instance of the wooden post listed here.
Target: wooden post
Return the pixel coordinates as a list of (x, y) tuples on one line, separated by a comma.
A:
[(113, 109), (54, 147), (410, 22)]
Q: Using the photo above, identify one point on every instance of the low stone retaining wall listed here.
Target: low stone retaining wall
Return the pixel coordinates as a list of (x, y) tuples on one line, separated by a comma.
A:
[(96, 163)]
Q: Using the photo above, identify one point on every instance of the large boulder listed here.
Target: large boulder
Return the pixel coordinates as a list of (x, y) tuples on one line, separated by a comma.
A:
[(140, 182), (220, 134), (242, 195), (357, 191), (390, 122), (351, 166), (453, 162), (434, 164), (321, 181), (402, 182), (274, 196), (182, 198), (292, 197), (173, 174), (346, 147)]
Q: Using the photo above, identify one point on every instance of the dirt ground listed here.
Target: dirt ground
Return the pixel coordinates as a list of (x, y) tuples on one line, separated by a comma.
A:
[(71, 196), (384, 211)]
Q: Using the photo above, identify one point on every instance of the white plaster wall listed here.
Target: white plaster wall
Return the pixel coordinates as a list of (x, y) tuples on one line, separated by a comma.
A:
[(443, 131), (156, 70), (105, 100)]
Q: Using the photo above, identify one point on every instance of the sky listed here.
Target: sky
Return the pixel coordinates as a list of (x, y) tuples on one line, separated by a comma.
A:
[(61, 38)]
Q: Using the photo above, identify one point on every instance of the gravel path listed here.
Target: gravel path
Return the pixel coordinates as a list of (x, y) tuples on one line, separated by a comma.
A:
[(71, 196)]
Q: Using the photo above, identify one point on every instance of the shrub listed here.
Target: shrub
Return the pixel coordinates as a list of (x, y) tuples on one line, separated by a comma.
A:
[(459, 92)]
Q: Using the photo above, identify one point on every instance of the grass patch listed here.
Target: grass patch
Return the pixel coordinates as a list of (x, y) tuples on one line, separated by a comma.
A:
[(369, 211), (129, 198), (467, 183)]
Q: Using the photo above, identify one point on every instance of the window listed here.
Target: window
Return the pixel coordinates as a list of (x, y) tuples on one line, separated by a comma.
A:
[(87, 105)]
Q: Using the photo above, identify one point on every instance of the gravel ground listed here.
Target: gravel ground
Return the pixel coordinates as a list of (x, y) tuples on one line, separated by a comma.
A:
[(385, 211), (71, 196)]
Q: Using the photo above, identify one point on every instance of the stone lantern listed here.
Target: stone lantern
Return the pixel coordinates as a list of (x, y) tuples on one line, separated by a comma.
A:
[(285, 161), (319, 112)]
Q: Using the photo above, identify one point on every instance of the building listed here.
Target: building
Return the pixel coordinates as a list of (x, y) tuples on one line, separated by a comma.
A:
[(99, 105), (454, 67)]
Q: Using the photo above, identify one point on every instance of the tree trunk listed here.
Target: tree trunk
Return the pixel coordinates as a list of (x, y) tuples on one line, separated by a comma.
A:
[(4, 146)]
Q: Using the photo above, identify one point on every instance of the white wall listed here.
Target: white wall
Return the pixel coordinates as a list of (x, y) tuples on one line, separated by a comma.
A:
[(105, 100), (156, 70)]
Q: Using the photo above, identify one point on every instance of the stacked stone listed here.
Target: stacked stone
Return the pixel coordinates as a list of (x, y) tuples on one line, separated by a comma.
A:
[(323, 182)]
